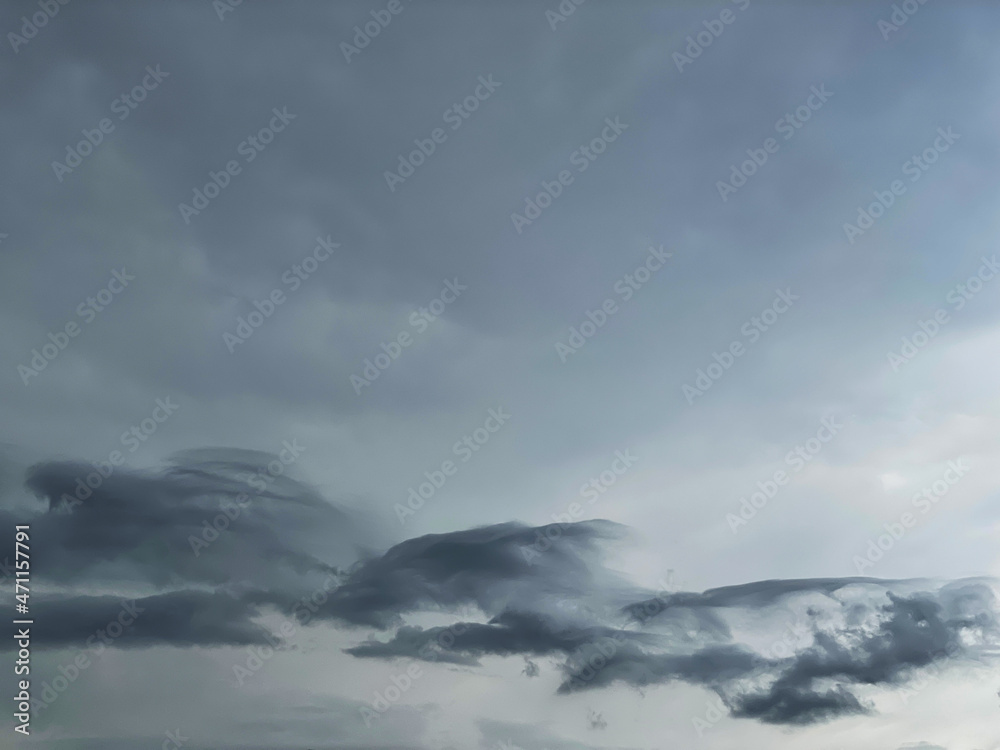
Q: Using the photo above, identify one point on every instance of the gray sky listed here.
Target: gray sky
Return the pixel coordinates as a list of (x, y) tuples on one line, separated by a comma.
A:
[(543, 359)]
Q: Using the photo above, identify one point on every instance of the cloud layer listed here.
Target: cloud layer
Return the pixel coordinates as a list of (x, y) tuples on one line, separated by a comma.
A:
[(851, 635)]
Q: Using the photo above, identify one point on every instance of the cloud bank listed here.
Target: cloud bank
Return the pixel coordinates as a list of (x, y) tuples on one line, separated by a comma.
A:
[(282, 541)]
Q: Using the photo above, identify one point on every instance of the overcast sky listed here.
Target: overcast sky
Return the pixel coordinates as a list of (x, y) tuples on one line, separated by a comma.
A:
[(704, 291)]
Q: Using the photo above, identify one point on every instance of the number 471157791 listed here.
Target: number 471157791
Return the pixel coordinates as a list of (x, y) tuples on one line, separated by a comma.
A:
[(22, 562)]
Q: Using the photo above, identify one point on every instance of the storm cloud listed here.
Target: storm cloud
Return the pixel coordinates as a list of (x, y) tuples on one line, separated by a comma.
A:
[(263, 214), (563, 603)]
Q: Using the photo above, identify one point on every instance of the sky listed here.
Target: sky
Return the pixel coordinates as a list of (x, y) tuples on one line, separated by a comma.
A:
[(526, 375)]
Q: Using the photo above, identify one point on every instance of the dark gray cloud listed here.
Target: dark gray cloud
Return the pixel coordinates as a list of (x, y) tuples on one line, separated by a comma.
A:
[(755, 594), (554, 600), (509, 633), (530, 668), (492, 567), (884, 639), (880, 638), (792, 705), (213, 517), (177, 618)]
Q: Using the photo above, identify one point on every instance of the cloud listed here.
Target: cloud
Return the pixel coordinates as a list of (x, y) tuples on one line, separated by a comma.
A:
[(282, 537), (790, 705), (870, 638), (491, 567), (177, 618), (596, 720), (210, 517), (863, 631), (509, 633)]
